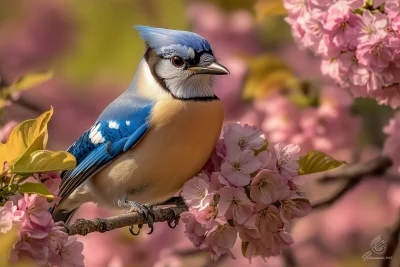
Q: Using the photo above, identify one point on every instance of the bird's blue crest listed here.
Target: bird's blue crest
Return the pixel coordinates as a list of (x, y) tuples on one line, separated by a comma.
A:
[(170, 42)]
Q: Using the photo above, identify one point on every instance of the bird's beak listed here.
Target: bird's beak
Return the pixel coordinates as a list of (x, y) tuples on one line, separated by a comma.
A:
[(213, 69)]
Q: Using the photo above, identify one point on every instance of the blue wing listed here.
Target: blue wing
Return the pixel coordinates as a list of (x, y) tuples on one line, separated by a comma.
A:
[(119, 128)]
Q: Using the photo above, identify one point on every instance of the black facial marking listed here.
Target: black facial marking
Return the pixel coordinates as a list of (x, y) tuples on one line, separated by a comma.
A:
[(153, 58)]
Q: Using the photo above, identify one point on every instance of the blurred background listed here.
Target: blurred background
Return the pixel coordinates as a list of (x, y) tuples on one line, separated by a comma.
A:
[(93, 51)]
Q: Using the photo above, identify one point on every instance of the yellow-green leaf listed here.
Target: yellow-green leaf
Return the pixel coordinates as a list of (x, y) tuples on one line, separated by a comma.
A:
[(31, 80), (267, 74), (44, 161), (265, 8), (316, 161), (36, 188), (29, 135)]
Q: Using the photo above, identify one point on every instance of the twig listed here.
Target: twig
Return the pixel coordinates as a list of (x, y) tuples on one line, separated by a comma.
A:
[(353, 174), (289, 257), (377, 166), (335, 197), (392, 244), (84, 227)]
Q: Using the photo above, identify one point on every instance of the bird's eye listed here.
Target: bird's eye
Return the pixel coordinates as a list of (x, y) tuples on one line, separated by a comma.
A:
[(177, 61)]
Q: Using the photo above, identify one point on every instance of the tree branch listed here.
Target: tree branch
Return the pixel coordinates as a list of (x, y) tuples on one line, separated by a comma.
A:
[(353, 174), (84, 227), (392, 244), (377, 166)]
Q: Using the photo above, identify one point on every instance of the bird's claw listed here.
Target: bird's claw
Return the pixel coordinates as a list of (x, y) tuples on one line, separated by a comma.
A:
[(147, 211), (174, 221), (138, 231)]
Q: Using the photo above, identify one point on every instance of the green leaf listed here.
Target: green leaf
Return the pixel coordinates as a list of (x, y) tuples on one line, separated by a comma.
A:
[(36, 188), (31, 80), (44, 161), (26, 137), (316, 161)]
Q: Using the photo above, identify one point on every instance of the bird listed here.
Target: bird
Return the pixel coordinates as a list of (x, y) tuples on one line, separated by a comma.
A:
[(155, 136)]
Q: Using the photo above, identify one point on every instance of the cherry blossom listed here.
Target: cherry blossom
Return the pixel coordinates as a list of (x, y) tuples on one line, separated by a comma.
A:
[(235, 204), (239, 165), (268, 187), (253, 202)]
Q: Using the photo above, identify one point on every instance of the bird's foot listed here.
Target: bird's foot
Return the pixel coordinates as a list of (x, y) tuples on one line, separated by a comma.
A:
[(146, 210), (175, 201), (174, 222)]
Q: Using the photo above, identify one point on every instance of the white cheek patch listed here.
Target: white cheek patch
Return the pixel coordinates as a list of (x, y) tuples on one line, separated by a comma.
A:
[(113, 125), (128, 123), (95, 135)]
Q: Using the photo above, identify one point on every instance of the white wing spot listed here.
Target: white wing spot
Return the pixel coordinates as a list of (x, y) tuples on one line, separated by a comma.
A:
[(113, 125), (128, 123), (98, 138), (94, 131)]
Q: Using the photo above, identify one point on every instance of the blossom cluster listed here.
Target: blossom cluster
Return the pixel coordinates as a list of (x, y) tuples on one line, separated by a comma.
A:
[(392, 145), (328, 127), (38, 237), (359, 42), (248, 188)]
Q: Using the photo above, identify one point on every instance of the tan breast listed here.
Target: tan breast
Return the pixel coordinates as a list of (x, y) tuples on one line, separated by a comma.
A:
[(181, 139)]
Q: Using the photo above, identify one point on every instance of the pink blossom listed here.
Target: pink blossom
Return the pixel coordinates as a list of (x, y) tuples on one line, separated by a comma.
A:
[(206, 216), (340, 25), (234, 204), (371, 26), (267, 246), (7, 216), (294, 208), (71, 253), (33, 248), (389, 95), (287, 157), (392, 8), (239, 165), (51, 180), (193, 230), (33, 204), (57, 239), (195, 192), (221, 235), (377, 54), (249, 230), (268, 187), (295, 7), (214, 162), (245, 137), (267, 218)]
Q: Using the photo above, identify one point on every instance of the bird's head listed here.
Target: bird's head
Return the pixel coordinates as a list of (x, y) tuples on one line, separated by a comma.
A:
[(182, 62)]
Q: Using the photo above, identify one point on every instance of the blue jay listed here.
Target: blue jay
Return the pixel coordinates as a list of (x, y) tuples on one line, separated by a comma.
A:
[(155, 136)]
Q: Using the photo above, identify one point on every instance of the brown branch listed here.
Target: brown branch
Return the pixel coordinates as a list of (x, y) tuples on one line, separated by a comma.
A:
[(84, 227), (353, 174), (392, 244), (377, 166), (289, 258)]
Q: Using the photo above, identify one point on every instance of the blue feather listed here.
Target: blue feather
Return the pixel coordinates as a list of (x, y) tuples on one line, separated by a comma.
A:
[(121, 125), (169, 42)]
